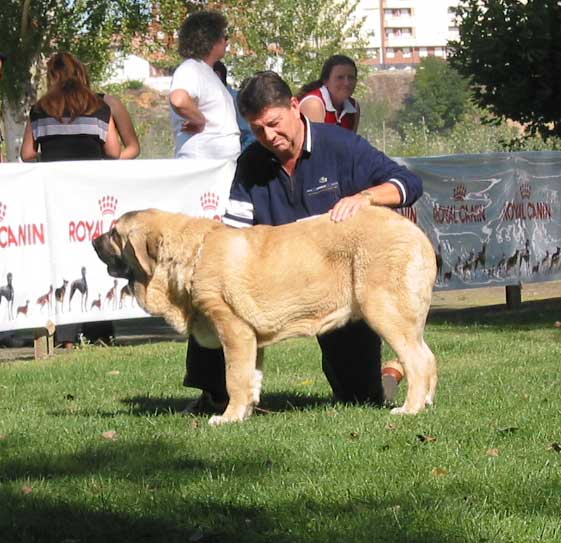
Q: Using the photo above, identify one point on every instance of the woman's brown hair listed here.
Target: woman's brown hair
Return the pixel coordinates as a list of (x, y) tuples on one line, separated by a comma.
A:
[(68, 89)]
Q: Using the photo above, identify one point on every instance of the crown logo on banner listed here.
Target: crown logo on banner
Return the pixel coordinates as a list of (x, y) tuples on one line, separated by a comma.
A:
[(459, 192), (108, 205), (525, 191), (209, 201), (2, 211)]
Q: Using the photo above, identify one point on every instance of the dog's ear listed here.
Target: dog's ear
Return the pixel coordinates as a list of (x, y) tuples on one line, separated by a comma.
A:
[(141, 250)]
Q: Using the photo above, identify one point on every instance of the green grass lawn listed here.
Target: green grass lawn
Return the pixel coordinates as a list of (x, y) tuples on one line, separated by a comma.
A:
[(92, 447)]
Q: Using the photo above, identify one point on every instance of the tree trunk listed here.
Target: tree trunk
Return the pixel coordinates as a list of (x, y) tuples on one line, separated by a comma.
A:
[(14, 124), (15, 116)]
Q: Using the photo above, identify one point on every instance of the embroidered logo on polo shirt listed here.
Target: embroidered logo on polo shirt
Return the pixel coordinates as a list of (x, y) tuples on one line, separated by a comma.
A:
[(327, 186), (323, 179)]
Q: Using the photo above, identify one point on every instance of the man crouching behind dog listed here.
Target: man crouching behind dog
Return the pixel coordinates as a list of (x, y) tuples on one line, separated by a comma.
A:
[(297, 169)]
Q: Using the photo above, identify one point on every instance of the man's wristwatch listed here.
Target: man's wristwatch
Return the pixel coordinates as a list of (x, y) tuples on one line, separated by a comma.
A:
[(369, 195)]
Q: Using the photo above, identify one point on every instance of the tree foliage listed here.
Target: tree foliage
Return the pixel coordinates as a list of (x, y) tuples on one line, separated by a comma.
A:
[(512, 52), (31, 30), (294, 37), (438, 98)]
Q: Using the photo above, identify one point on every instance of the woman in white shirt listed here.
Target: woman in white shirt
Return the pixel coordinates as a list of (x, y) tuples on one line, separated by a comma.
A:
[(203, 115)]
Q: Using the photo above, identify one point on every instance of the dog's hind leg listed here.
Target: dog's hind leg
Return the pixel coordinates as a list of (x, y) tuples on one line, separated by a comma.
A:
[(240, 353), (432, 373), (258, 376), (404, 334), (420, 369)]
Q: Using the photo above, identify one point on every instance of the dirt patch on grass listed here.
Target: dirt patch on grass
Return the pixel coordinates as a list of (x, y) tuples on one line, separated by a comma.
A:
[(477, 297)]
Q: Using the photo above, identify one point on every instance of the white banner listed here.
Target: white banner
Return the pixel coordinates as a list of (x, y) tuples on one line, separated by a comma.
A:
[(493, 219), (51, 212)]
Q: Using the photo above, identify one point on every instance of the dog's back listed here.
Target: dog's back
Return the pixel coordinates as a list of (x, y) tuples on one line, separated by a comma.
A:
[(317, 267)]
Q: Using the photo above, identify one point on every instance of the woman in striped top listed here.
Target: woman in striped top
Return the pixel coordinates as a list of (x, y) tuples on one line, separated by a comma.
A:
[(69, 122)]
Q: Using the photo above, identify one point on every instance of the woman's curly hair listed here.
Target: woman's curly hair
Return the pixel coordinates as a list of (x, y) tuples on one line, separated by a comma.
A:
[(199, 33)]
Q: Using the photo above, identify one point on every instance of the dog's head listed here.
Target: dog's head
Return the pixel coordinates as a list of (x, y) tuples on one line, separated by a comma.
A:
[(150, 248), (130, 248)]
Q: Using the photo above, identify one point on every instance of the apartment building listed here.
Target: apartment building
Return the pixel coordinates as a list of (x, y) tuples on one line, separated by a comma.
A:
[(401, 33)]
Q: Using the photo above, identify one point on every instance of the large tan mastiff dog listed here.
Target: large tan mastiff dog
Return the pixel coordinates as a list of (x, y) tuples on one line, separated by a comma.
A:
[(243, 289)]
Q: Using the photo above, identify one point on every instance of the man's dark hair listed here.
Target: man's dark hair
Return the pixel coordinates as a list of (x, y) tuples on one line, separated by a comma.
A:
[(261, 91), (199, 33)]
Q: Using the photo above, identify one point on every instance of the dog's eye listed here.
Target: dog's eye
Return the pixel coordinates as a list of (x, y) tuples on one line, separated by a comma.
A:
[(114, 234)]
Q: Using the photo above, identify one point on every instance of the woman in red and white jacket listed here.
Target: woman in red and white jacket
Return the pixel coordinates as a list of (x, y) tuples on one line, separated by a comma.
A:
[(329, 99)]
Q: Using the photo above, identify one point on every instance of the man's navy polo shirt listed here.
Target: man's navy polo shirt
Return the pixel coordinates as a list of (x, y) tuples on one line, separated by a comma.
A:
[(335, 163)]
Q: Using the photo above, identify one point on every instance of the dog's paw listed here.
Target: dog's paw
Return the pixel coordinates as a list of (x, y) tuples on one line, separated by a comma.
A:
[(404, 411), (231, 415), (217, 420)]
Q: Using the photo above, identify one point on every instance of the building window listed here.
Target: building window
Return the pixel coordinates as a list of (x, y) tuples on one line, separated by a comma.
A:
[(423, 52), (438, 52), (397, 12), (390, 52), (398, 32), (406, 52)]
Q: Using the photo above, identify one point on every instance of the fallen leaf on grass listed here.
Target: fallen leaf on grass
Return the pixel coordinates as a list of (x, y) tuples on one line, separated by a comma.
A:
[(26, 490), (110, 435), (114, 372), (391, 427), (423, 438), (306, 382), (556, 447), (492, 452), (69, 397), (507, 430), (195, 424), (354, 435), (3, 436), (439, 472)]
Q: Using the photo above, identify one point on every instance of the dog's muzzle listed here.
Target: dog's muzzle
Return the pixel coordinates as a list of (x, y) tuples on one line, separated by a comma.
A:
[(116, 266)]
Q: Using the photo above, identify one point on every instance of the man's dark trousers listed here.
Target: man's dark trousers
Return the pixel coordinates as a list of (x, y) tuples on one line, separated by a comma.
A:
[(351, 360)]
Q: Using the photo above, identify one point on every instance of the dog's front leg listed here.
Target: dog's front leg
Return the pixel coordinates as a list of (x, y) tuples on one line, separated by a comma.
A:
[(240, 353)]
